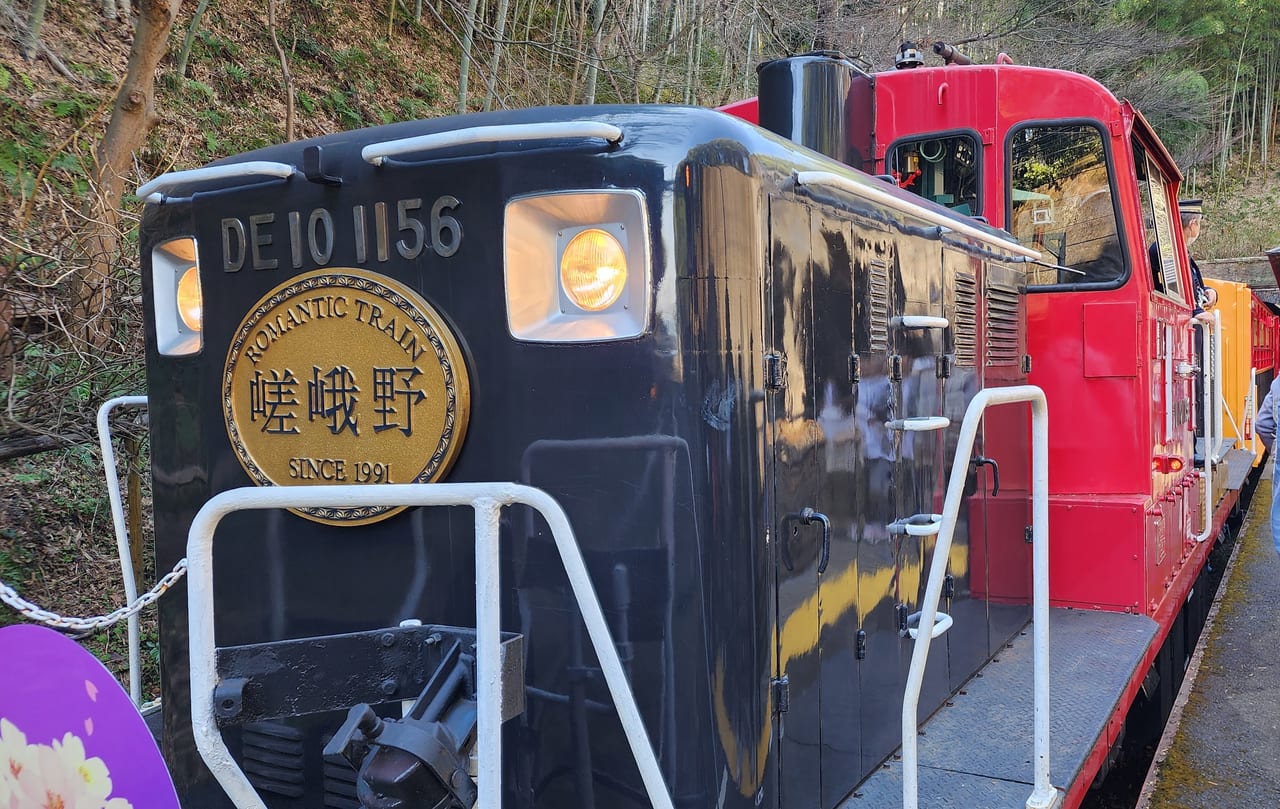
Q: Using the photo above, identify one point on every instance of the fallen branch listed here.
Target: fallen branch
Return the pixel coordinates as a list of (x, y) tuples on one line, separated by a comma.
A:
[(20, 446)]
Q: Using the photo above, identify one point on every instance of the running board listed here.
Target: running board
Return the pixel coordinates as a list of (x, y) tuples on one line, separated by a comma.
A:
[(1093, 657)]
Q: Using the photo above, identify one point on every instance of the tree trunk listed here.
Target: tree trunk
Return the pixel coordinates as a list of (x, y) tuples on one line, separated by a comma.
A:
[(464, 68), (131, 119), (284, 69), (499, 35), (194, 28), (597, 43), (31, 36)]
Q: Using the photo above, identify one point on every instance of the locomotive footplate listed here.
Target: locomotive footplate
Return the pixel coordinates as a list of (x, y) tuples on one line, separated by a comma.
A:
[(286, 678)]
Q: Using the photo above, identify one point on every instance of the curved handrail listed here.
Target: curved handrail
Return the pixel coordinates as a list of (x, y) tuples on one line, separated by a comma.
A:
[(377, 153), (154, 191)]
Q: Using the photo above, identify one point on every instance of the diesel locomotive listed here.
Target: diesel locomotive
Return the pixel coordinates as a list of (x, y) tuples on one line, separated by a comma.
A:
[(738, 365), (688, 388)]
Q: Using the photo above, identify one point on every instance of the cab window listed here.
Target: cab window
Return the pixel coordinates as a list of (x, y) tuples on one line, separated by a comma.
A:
[(1062, 203), (1157, 219), (941, 168)]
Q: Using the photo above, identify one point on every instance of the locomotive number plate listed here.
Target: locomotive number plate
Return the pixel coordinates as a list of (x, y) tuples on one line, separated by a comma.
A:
[(345, 376)]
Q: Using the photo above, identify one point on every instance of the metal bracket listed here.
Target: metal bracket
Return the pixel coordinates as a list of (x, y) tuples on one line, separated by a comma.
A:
[(775, 372), (261, 681), (855, 369), (895, 367), (943, 366), (781, 688)]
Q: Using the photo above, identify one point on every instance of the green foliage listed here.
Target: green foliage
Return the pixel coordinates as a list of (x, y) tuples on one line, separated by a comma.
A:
[(6, 78), (342, 105), (306, 102), (77, 107), (210, 46), (350, 60), (426, 86), (305, 45)]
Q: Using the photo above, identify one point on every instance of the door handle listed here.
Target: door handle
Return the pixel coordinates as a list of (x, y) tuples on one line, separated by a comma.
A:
[(808, 516), (979, 462)]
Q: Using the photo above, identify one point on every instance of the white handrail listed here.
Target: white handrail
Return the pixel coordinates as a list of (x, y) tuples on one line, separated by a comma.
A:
[(1206, 397), (377, 153), (1217, 369), (154, 191), (932, 523), (919, 424), (122, 534), (1044, 795), (943, 623), (487, 499), (875, 193), (1251, 410), (1168, 384), (919, 322)]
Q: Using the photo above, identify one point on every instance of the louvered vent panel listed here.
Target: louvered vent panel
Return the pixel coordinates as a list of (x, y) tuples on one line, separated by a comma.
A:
[(340, 786), (272, 758), (965, 328), (879, 277), (1002, 325)]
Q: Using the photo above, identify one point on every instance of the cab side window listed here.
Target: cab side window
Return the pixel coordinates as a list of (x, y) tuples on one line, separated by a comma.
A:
[(1157, 219), (941, 168), (1062, 203)]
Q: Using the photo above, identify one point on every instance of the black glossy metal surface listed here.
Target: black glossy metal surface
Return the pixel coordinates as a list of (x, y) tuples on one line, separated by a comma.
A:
[(807, 99), (684, 475)]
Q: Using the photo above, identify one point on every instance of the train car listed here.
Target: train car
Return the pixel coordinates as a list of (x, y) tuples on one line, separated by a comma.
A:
[(738, 366), (1079, 175), (1247, 361), (700, 382)]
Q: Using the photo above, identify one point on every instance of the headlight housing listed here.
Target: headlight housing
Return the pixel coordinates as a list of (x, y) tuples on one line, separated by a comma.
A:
[(577, 266), (178, 302)]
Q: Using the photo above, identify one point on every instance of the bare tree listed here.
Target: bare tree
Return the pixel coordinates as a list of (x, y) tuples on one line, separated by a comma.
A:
[(284, 69), (184, 56), (131, 119)]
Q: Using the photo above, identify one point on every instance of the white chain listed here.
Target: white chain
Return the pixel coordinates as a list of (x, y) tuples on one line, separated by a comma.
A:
[(10, 596)]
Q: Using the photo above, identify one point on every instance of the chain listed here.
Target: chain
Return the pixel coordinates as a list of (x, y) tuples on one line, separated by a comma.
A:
[(10, 596)]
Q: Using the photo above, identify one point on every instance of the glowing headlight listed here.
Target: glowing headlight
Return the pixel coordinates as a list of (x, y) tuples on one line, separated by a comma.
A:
[(176, 298), (189, 301), (576, 266), (593, 270)]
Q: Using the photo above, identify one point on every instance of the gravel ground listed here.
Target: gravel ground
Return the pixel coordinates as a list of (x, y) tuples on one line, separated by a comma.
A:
[(1226, 752)]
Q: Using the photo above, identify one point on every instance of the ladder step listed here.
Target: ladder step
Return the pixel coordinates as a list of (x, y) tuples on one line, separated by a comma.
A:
[(917, 525), (941, 623), (920, 322), (919, 424)]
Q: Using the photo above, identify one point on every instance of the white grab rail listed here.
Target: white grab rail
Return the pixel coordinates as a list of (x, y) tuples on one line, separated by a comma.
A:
[(154, 191), (1251, 411), (900, 202), (487, 499), (377, 153), (122, 534), (1044, 795), (1208, 380), (919, 322)]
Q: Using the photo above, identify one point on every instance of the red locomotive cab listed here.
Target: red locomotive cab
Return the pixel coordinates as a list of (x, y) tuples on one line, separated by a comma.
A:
[(1077, 174)]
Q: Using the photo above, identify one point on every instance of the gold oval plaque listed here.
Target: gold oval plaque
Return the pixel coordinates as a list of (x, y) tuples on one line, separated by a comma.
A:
[(345, 376)]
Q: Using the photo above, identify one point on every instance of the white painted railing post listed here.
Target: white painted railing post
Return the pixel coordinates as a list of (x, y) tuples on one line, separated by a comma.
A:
[(122, 534), (1044, 795), (487, 499)]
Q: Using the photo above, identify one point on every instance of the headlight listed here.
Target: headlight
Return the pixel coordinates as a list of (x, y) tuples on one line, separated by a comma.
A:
[(577, 266), (175, 288), (190, 304), (593, 270)]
